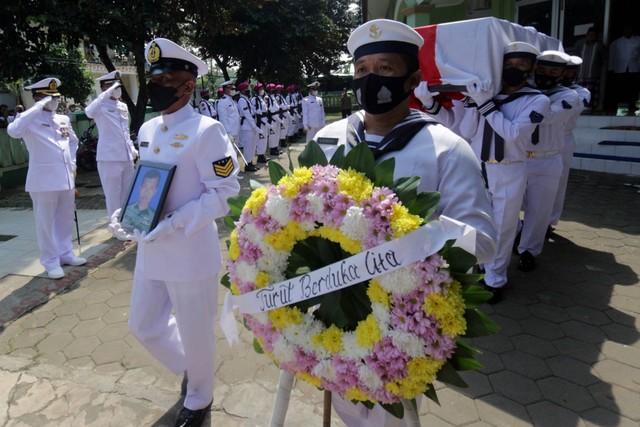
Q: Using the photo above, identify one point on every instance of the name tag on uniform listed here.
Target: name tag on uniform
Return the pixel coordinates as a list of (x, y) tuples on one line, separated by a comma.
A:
[(144, 144), (327, 141)]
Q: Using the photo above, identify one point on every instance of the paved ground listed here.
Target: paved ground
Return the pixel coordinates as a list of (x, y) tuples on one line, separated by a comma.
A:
[(568, 353)]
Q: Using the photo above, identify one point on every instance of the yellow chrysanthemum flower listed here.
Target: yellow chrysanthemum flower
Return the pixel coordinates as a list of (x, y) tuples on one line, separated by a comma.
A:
[(378, 295), (257, 198), (367, 332), (262, 279), (349, 245), (420, 372), (330, 338), (292, 183), (286, 238), (356, 394), (403, 222), (282, 317), (448, 310), (234, 288), (309, 378), (354, 184), (234, 250)]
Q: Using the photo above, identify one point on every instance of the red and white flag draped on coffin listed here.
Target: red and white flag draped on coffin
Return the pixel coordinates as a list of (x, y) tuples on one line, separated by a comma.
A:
[(470, 52)]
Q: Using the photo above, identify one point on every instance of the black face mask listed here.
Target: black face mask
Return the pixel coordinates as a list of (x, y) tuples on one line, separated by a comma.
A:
[(566, 82), (378, 94), (162, 97), (514, 77), (545, 82)]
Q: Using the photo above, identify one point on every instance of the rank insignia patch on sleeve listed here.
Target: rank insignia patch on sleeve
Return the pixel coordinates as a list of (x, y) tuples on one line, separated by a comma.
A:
[(535, 117), (223, 167), (566, 105)]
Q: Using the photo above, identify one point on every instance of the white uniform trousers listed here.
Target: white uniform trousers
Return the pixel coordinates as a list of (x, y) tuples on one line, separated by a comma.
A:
[(115, 177), (291, 129), (543, 177), (184, 341), (274, 138), (311, 133), (53, 211), (284, 130), (567, 156), (249, 139), (507, 183), (359, 416), (261, 142)]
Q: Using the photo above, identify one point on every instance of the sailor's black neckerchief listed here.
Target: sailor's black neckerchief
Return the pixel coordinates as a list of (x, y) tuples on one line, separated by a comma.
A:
[(395, 140)]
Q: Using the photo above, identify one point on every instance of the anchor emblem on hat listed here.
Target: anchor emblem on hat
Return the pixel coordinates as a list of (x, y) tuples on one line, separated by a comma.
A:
[(375, 32), (153, 55)]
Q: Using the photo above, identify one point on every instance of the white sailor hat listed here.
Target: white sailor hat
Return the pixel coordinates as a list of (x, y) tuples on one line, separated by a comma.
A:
[(111, 77), (228, 83), (314, 84), (521, 50), (574, 62), (553, 58), (164, 56), (384, 35), (46, 87)]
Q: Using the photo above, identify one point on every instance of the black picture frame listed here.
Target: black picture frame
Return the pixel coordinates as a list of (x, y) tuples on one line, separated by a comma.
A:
[(158, 177)]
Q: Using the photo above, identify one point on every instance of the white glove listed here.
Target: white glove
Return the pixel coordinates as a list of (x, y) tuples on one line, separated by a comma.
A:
[(479, 96), (42, 103), (115, 228), (306, 128), (164, 227), (113, 87), (423, 94)]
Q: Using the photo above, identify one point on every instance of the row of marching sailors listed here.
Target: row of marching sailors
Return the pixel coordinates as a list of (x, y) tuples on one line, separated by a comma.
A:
[(268, 120), (523, 138)]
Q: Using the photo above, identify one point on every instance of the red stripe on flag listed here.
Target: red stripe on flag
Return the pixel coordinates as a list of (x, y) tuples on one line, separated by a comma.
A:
[(427, 55)]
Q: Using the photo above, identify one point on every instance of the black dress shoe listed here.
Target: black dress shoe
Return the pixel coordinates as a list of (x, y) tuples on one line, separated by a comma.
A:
[(250, 167), (274, 151), (183, 386), (527, 262), (496, 294), (192, 418), (516, 243), (262, 158), (549, 232)]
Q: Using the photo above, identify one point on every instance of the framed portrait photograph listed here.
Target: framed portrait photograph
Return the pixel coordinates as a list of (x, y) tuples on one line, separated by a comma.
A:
[(147, 194)]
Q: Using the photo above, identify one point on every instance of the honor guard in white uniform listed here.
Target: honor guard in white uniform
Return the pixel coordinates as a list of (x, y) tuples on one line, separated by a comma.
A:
[(544, 159), (227, 110), (569, 80), (249, 129), (284, 116), (499, 129), (116, 152), (275, 122), (292, 101), (52, 147), (262, 120), (178, 262), (420, 147), (313, 118), (206, 107)]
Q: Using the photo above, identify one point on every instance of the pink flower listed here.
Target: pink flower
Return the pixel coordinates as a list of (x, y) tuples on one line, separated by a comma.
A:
[(388, 361)]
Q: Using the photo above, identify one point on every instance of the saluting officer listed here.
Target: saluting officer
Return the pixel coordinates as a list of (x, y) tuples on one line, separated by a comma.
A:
[(227, 110), (499, 129), (178, 262), (206, 107), (249, 129), (313, 118), (52, 147), (544, 158), (388, 64), (116, 152)]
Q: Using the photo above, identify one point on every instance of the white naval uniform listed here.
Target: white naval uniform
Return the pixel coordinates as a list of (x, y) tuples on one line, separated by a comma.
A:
[(249, 130), (206, 108), (293, 115), (259, 106), (179, 270), (312, 115), (514, 121), (273, 139), (544, 169), (229, 116), (52, 147), (567, 152), (446, 164), (116, 152), (286, 117)]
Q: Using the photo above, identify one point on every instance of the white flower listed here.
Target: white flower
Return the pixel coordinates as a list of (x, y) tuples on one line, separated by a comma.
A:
[(324, 369), (369, 378), (382, 316), (352, 350), (261, 318), (355, 225), (282, 350), (316, 204), (411, 344), (401, 281), (278, 207), (246, 272)]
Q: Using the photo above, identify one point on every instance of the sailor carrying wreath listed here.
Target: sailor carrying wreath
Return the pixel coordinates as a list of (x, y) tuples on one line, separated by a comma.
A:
[(346, 282)]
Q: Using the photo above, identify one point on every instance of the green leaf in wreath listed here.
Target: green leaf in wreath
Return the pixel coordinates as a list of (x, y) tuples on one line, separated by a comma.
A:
[(431, 394), (466, 279), (406, 188), (395, 409), (466, 364), (460, 261), (475, 296), (291, 165), (448, 374), (225, 281), (384, 173), (276, 172), (338, 157), (425, 204), (257, 347), (479, 324), (361, 158), (312, 155), (254, 185), (465, 350), (229, 222)]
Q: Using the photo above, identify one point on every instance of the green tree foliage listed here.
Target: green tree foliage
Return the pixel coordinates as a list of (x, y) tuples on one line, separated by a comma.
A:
[(68, 64)]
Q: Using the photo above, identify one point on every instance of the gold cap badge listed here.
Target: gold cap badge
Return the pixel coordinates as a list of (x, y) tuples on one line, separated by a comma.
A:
[(154, 53), (375, 32)]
